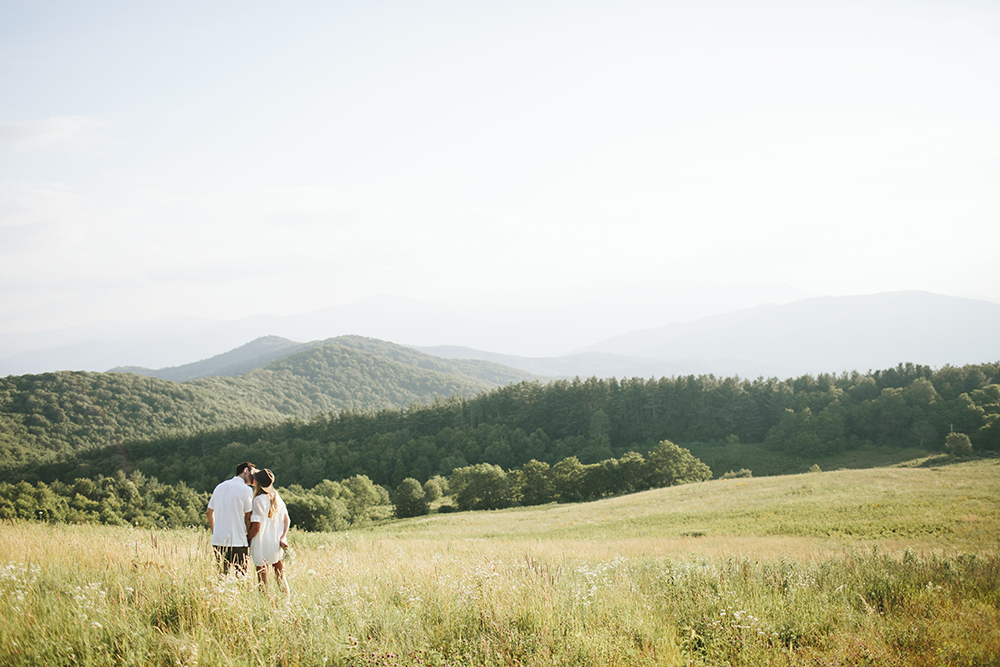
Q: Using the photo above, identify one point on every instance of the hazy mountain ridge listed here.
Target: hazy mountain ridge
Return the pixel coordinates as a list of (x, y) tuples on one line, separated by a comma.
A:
[(262, 352), (255, 354), (607, 365), (817, 335), (831, 334), (555, 329), (822, 334)]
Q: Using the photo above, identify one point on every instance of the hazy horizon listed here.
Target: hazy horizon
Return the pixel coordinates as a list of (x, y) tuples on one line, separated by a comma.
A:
[(232, 159)]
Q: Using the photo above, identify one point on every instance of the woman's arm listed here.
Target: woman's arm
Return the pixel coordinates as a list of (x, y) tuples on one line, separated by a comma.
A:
[(283, 540)]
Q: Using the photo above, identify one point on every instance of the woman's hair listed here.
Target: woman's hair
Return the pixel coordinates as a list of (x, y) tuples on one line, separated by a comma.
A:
[(265, 484)]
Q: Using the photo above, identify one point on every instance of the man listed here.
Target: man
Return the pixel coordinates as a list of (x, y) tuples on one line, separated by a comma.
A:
[(228, 515)]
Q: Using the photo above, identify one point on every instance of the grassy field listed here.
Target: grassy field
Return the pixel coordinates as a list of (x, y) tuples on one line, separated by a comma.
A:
[(764, 461), (891, 566)]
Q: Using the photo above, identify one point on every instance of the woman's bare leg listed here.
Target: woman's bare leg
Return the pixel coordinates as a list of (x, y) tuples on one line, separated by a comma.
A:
[(279, 575)]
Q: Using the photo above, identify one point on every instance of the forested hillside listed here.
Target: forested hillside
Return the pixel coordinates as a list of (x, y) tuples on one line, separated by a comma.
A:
[(592, 420), (52, 416), (335, 377)]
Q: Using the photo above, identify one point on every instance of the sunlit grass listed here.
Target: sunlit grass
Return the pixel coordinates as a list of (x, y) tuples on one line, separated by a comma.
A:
[(954, 506), (739, 572)]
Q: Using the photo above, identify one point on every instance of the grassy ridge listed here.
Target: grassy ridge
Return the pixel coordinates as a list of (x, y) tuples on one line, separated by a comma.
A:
[(679, 576)]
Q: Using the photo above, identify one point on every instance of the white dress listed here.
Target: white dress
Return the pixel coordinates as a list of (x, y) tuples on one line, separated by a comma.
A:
[(265, 548)]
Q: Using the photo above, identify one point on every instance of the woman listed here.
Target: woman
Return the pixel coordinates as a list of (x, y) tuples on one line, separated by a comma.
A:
[(269, 525)]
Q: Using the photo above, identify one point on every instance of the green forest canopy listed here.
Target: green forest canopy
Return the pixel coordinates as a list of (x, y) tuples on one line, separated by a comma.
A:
[(593, 420)]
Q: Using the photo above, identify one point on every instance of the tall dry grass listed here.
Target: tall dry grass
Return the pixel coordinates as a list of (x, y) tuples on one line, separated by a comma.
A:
[(666, 578), (112, 596)]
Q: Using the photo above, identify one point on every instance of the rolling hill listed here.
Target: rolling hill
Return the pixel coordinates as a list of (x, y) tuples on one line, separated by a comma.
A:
[(263, 351), (51, 416)]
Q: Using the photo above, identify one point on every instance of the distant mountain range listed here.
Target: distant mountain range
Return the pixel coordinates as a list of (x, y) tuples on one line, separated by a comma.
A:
[(606, 364), (553, 330), (814, 335), (817, 335), (828, 334)]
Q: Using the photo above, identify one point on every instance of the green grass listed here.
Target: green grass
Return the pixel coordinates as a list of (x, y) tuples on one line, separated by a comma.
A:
[(948, 506), (895, 566), (763, 461)]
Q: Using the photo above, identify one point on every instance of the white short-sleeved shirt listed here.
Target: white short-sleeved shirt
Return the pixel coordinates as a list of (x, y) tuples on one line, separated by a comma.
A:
[(231, 500)]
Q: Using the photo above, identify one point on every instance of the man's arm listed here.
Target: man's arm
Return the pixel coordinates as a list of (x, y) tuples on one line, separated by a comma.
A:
[(210, 515)]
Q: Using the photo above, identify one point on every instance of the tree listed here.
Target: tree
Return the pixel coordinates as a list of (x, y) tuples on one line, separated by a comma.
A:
[(360, 496), (568, 480), (536, 485), (631, 467), (795, 433), (668, 465), (432, 489), (924, 432), (410, 499), (480, 487), (958, 444), (311, 511)]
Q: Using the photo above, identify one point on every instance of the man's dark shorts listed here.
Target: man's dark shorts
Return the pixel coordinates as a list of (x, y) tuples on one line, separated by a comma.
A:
[(229, 557)]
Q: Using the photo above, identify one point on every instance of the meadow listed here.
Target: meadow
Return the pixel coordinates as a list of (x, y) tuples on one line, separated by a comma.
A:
[(887, 566)]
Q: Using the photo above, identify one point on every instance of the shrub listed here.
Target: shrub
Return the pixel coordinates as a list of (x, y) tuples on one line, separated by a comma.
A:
[(958, 444)]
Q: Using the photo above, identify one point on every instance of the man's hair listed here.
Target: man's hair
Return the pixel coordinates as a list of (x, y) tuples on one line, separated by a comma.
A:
[(243, 466)]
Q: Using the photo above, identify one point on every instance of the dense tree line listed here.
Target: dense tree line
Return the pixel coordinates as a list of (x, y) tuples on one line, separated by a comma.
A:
[(488, 486), (143, 501), (593, 420), (118, 500)]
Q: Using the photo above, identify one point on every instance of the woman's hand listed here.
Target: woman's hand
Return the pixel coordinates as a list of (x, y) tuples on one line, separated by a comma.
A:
[(283, 542)]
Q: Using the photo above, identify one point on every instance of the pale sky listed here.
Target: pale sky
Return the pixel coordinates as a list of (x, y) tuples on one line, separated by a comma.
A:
[(226, 159)]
